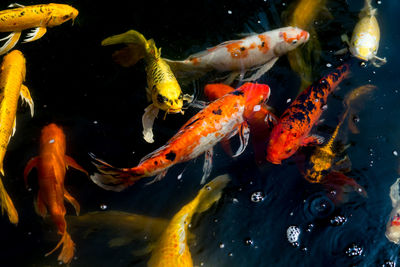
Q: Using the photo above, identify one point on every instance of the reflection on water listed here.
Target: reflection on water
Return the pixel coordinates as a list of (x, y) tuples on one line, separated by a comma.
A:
[(74, 83)]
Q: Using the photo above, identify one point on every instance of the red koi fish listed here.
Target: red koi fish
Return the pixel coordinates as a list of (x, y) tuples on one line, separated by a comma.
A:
[(258, 51), (51, 165), (261, 120), (220, 120), (294, 126)]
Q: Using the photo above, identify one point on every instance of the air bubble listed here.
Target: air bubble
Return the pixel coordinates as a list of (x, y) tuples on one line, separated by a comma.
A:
[(95, 122), (328, 65), (248, 241), (230, 254), (292, 234), (288, 100), (103, 206), (395, 153), (221, 245), (51, 141), (354, 250), (257, 196), (229, 12), (338, 220)]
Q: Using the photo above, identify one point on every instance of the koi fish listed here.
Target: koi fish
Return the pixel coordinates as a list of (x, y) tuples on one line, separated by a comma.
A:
[(52, 164), (172, 248), (393, 224), (163, 88), (256, 52), (36, 17), (302, 14), (221, 119), (169, 240), (260, 121), (364, 42), (293, 128)]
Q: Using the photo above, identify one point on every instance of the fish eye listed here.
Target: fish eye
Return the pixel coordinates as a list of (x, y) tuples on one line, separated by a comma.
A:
[(294, 42), (180, 96), (65, 17), (161, 99), (288, 150)]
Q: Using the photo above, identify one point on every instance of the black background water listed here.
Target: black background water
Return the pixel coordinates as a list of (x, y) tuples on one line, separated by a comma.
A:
[(74, 82)]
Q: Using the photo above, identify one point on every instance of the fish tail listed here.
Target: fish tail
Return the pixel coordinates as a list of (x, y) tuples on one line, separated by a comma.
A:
[(367, 10), (7, 205), (136, 49), (211, 193), (68, 248), (112, 178), (153, 50)]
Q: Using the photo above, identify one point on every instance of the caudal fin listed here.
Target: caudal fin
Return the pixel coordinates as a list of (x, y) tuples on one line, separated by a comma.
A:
[(185, 70), (7, 205), (211, 193), (68, 248), (112, 178), (137, 47)]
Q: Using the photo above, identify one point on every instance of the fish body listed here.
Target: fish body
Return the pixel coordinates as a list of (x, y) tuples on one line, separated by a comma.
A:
[(163, 88), (255, 51), (12, 76), (393, 224), (36, 17), (293, 128), (172, 248), (220, 120), (364, 41), (51, 165)]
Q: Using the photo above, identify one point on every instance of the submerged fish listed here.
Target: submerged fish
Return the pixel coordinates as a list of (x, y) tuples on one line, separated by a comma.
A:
[(256, 52), (52, 164), (220, 120), (36, 17), (12, 76), (260, 121), (302, 14), (364, 42), (393, 224), (163, 88), (293, 128)]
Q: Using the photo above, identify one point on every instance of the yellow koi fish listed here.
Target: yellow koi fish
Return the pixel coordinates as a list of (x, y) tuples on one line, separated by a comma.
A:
[(302, 14), (11, 78), (366, 34), (163, 88), (168, 240), (36, 17)]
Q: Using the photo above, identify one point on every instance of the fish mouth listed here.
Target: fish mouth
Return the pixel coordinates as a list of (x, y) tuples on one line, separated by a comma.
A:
[(273, 161)]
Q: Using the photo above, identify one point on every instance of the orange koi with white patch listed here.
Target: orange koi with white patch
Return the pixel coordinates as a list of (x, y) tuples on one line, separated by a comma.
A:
[(260, 121), (294, 126), (259, 51), (220, 120), (52, 164)]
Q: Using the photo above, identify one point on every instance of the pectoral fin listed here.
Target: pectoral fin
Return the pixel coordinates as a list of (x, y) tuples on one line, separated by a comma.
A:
[(7, 205), (313, 140), (35, 34), (40, 207), (260, 72), (150, 114), (72, 163), (129, 55), (244, 134), (73, 202), (119, 241), (208, 157), (26, 98), (12, 40), (14, 128), (29, 166)]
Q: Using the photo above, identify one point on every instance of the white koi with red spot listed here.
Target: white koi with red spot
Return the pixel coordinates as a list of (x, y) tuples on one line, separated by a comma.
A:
[(259, 51)]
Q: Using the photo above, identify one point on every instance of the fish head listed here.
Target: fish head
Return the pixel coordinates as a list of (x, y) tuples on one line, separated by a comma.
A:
[(290, 38), (283, 143), (62, 13), (168, 96), (364, 46), (254, 93), (53, 135)]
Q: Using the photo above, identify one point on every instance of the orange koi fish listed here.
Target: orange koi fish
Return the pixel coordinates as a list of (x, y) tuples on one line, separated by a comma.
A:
[(52, 164), (261, 120), (12, 76), (294, 126), (36, 17), (256, 52), (220, 120)]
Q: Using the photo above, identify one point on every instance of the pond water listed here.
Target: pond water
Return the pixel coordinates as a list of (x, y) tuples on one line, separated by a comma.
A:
[(99, 104)]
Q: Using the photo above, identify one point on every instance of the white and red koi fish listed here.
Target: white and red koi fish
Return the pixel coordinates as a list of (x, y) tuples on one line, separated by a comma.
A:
[(220, 120), (393, 225), (256, 52)]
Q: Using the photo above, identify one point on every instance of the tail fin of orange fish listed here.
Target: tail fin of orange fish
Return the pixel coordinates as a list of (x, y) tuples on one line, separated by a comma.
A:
[(7, 205), (112, 178), (68, 248), (337, 182)]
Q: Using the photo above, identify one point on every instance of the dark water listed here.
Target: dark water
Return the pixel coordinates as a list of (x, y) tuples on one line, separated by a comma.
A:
[(74, 83)]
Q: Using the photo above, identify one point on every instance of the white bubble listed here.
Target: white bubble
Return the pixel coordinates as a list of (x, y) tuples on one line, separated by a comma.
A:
[(95, 122), (395, 153), (288, 100), (379, 2), (221, 245), (51, 141), (328, 65), (256, 108), (229, 12), (103, 206), (292, 234), (235, 200)]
